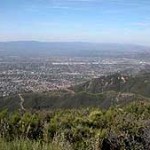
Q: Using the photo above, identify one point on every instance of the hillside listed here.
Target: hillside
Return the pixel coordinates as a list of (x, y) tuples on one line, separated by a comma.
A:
[(103, 92), (139, 84), (107, 113), (124, 128)]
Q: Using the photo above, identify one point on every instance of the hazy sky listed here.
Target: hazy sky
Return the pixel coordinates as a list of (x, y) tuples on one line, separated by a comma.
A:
[(125, 21)]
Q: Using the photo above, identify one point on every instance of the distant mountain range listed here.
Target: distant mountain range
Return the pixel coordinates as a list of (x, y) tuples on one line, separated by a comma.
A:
[(25, 48)]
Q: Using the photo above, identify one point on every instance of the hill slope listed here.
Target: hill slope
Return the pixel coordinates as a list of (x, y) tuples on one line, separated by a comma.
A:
[(139, 84), (101, 92)]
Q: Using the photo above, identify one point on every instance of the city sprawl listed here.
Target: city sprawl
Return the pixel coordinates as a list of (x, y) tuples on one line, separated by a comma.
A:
[(39, 74)]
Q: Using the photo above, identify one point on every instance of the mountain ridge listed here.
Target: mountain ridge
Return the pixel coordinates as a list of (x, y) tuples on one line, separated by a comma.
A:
[(68, 48)]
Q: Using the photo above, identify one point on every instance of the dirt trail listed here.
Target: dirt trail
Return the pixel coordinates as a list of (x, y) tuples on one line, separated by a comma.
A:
[(68, 90), (21, 101)]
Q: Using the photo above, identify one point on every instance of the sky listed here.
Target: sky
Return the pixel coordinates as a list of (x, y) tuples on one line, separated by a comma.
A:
[(109, 21)]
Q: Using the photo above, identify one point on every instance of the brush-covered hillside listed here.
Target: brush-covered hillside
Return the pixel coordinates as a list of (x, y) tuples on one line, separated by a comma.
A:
[(126, 128), (107, 113), (112, 90), (139, 84)]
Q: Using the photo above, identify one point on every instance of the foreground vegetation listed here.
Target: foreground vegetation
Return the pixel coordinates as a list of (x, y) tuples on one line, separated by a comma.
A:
[(90, 129), (26, 145)]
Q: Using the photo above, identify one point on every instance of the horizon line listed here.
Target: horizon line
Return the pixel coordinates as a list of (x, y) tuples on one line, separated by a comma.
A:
[(92, 42)]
